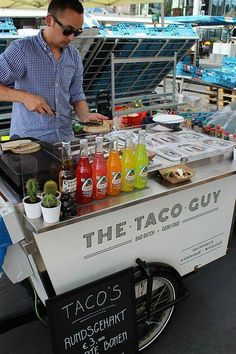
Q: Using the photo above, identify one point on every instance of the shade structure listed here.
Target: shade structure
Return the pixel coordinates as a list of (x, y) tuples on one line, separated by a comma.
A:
[(203, 20), (40, 4)]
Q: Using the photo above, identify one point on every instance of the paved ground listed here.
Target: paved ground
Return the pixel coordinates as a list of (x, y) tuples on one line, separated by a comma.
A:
[(205, 323)]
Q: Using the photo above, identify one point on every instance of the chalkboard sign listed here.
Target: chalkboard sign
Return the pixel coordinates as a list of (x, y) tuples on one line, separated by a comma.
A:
[(97, 318)]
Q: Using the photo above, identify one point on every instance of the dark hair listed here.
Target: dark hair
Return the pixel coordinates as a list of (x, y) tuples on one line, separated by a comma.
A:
[(61, 5)]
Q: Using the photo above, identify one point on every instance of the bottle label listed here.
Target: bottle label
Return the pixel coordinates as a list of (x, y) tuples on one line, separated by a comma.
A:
[(143, 172), (87, 187), (102, 184), (69, 185), (116, 179), (130, 175)]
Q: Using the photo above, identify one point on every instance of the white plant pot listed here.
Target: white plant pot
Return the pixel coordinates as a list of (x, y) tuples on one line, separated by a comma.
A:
[(32, 211), (51, 215)]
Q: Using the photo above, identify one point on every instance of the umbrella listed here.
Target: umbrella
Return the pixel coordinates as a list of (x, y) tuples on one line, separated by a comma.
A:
[(40, 4)]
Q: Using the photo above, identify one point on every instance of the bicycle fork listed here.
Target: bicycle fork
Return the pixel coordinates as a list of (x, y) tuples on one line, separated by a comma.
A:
[(146, 269)]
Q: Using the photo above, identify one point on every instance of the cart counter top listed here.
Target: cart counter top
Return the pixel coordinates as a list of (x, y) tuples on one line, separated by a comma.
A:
[(206, 170)]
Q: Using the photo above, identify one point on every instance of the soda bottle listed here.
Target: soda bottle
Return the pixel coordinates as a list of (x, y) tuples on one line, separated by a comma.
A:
[(113, 170), (99, 171), (84, 175), (67, 182), (127, 167), (141, 162)]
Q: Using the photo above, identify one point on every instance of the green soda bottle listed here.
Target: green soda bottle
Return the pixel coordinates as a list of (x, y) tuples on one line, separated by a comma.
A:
[(141, 162), (127, 167)]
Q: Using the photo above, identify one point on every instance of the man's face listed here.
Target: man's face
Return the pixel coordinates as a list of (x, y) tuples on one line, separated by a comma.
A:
[(61, 24)]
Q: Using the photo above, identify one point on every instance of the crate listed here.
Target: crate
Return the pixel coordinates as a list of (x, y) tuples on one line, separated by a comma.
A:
[(226, 96), (212, 94), (134, 29), (7, 26), (199, 117)]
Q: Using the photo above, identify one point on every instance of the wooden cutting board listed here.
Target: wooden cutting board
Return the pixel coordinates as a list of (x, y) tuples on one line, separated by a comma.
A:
[(27, 149)]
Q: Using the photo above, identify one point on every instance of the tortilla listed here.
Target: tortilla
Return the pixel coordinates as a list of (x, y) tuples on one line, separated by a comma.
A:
[(27, 149), (14, 144), (104, 128)]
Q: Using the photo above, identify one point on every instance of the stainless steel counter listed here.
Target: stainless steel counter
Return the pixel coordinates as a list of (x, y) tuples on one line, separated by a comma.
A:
[(216, 167)]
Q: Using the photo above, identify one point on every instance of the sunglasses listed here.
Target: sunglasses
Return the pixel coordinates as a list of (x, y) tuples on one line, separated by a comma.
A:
[(67, 31)]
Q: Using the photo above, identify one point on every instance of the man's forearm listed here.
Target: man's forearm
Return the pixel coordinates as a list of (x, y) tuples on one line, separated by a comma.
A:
[(8, 94), (82, 110)]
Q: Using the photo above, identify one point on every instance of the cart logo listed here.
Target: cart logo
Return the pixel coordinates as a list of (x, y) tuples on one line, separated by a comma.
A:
[(167, 217)]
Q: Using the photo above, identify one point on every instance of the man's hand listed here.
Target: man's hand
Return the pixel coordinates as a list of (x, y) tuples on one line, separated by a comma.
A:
[(95, 116), (36, 103), (82, 111)]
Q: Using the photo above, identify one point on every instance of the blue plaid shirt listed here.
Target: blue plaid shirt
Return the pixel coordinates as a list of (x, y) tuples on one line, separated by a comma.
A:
[(30, 64)]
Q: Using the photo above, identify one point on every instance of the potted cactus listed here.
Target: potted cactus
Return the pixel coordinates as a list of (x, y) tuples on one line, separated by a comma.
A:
[(32, 201), (51, 208), (50, 187)]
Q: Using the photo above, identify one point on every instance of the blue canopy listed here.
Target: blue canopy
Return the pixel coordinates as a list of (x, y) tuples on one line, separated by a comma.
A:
[(203, 20)]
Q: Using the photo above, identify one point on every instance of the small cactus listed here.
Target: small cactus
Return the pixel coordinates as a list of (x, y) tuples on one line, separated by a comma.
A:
[(50, 187), (50, 201), (32, 187)]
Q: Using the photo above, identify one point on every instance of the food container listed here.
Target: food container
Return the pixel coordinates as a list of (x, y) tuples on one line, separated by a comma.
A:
[(177, 170), (197, 150), (190, 135), (166, 138), (170, 153)]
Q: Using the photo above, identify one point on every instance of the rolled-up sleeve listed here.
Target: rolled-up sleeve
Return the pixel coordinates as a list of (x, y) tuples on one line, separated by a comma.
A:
[(76, 88), (12, 64)]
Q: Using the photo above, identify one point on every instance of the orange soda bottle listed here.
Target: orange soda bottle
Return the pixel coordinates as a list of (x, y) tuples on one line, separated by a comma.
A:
[(114, 170)]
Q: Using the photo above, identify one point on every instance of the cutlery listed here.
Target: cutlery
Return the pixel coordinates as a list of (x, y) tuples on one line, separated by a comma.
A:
[(89, 123)]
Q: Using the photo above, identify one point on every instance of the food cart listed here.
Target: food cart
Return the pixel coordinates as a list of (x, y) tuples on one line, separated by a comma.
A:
[(148, 239), (164, 231)]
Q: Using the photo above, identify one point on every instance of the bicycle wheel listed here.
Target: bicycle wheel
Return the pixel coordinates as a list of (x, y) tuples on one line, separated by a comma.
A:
[(165, 289)]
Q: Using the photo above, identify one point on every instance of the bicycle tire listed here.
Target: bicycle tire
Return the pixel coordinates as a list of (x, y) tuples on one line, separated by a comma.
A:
[(166, 288)]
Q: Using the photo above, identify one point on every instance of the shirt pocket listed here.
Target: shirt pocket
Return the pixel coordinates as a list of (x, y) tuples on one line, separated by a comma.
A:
[(67, 75)]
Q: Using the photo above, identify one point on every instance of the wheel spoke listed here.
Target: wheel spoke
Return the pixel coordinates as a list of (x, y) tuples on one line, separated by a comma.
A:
[(163, 292)]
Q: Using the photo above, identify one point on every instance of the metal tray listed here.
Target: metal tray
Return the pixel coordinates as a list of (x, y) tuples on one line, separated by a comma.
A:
[(170, 153)]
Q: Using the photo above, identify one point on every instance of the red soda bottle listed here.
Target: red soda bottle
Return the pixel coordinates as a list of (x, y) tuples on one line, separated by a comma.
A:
[(99, 171), (84, 175)]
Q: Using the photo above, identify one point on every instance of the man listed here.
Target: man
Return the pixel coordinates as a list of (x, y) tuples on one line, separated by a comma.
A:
[(48, 76)]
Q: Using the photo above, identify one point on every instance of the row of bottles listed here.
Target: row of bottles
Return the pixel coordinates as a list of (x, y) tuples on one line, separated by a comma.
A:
[(211, 130), (134, 165), (100, 178)]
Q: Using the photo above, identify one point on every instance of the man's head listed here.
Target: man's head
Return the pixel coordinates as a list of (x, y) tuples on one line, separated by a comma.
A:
[(64, 21)]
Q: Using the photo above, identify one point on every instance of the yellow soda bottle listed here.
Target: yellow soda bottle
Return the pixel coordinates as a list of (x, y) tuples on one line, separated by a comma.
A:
[(141, 162), (127, 167)]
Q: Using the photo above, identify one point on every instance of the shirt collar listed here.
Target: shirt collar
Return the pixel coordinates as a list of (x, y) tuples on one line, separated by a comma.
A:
[(42, 42)]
